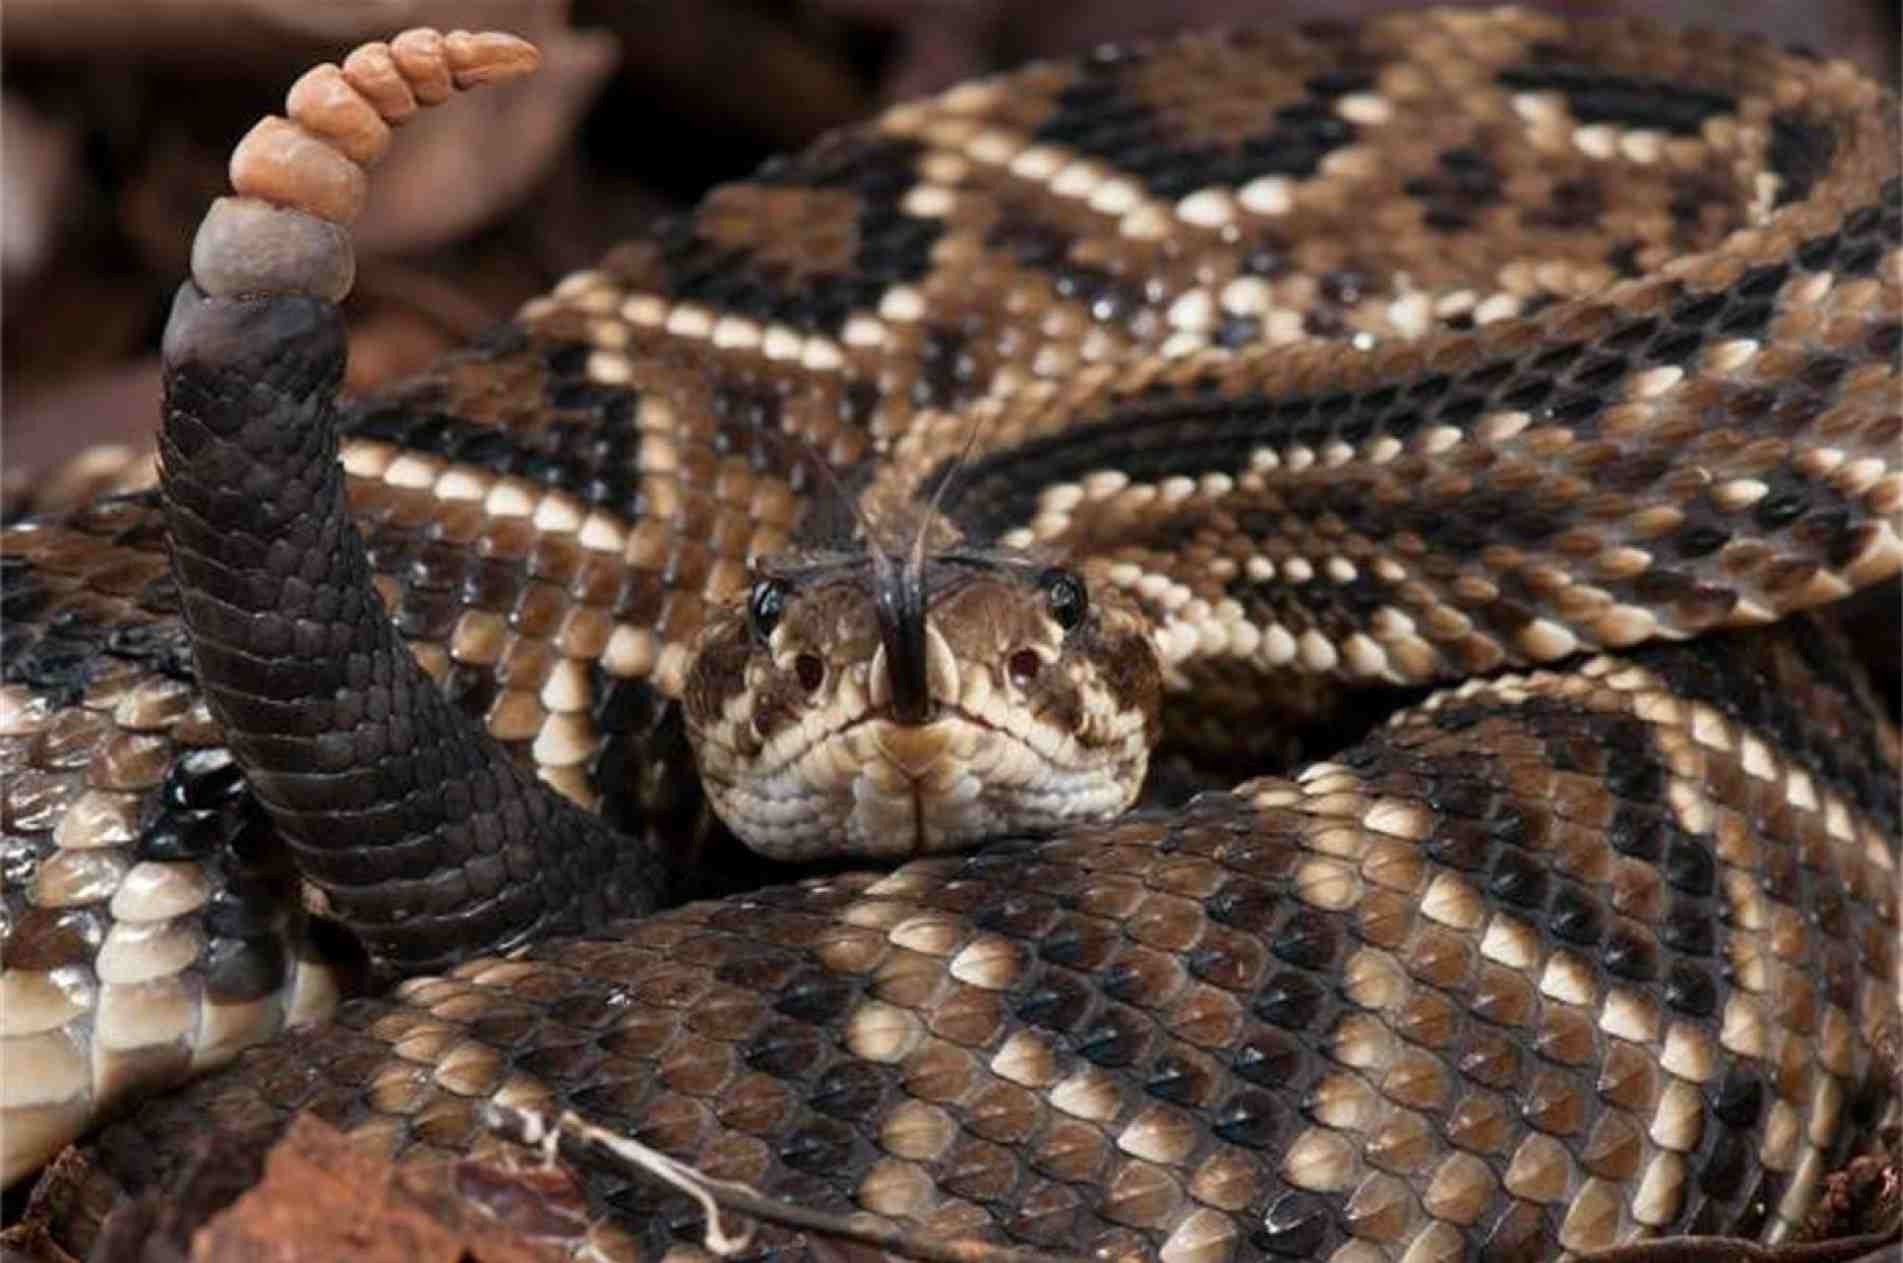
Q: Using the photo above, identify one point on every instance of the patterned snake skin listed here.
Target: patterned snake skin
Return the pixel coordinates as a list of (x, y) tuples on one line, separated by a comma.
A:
[(1556, 359)]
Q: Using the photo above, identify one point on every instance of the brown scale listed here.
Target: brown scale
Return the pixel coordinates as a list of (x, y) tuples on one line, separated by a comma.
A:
[(523, 585), (1335, 282), (1338, 260), (1693, 615), (108, 929)]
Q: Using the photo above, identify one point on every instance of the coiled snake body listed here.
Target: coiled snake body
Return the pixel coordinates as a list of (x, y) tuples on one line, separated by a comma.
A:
[(1180, 389)]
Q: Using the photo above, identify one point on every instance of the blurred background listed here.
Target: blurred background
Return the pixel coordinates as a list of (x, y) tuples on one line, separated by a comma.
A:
[(118, 116)]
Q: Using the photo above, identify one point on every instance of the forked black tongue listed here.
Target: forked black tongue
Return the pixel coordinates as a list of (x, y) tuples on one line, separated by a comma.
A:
[(900, 601)]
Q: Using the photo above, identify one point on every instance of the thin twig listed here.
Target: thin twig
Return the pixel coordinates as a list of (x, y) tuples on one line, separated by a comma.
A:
[(583, 1142)]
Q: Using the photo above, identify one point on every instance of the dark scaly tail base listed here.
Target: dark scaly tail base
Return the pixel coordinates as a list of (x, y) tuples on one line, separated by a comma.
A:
[(426, 838)]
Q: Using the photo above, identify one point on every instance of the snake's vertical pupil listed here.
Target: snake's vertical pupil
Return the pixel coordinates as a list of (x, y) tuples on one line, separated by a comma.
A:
[(765, 604), (1065, 592)]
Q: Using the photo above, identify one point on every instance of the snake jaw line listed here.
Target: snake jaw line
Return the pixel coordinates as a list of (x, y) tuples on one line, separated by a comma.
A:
[(1001, 745)]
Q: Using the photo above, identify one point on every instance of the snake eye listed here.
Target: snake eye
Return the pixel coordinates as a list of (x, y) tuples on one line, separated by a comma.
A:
[(765, 604), (1065, 593)]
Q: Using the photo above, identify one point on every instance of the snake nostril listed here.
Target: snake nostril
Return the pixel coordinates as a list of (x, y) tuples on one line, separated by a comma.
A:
[(810, 671), (1024, 666)]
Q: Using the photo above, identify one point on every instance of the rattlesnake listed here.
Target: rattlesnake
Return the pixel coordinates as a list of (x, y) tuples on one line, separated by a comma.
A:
[(1210, 381)]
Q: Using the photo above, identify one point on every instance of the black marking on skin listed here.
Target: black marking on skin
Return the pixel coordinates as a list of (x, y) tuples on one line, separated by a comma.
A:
[(644, 772), (1163, 431), (22, 595), (58, 654), (1094, 116), (744, 413), (1861, 240), (1799, 151), (784, 1050), (471, 689), (1339, 83), (859, 402), (205, 812), (1267, 258), (1508, 846), (1814, 512), (798, 1044), (1160, 432), (590, 448), (1739, 680), (1337, 292), (593, 462), (1297, 1225), (1596, 95), (1575, 206), (59, 663), (1337, 610), (1465, 184), (245, 909), (20, 857), (1346, 286), (1293, 1001), (1236, 332), (1811, 513), (638, 768), (1116, 1038), (238, 971), (1624, 259), (185, 836), (1044, 247), (1702, 205), (1885, 341), (1324, 322), (160, 645), (894, 248), (946, 370)]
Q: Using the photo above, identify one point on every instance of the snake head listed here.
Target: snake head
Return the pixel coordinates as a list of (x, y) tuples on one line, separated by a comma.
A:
[(854, 705)]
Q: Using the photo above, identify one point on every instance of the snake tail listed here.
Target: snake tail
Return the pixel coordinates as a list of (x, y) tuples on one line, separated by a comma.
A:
[(414, 823)]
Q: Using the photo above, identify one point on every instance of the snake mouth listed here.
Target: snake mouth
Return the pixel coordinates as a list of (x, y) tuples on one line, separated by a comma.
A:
[(872, 786)]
